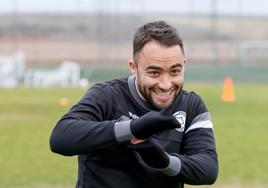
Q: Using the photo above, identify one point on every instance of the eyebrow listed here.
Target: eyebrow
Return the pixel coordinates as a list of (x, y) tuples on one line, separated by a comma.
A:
[(178, 65), (155, 67)]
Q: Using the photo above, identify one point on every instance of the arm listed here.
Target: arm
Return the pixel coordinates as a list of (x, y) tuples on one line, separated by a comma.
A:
[(197, 164), (199, 160), (86, 127)]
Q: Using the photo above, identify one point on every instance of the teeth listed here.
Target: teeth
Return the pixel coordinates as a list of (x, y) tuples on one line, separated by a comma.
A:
[(162, 93)]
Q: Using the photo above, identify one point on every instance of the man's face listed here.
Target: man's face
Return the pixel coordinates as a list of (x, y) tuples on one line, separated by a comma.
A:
[(159, 73)]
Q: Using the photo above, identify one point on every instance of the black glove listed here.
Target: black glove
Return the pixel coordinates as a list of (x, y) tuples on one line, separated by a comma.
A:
[(152, 153), (152, 123)]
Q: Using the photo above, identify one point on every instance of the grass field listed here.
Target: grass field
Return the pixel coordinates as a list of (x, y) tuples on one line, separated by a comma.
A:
[(27, 117)]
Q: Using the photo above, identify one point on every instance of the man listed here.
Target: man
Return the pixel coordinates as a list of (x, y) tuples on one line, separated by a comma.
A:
[(143, 131)]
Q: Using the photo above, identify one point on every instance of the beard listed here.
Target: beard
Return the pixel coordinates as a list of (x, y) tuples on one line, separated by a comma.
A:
[(146, 94)]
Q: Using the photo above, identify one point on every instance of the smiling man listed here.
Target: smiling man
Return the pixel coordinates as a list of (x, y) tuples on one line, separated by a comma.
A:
[(143, 131), (159, 72)]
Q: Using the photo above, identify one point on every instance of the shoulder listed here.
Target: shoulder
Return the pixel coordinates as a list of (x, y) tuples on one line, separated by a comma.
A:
[(109, 86), (119, 82), (104, 94), (191, 95), (194, 101), (188, 100)]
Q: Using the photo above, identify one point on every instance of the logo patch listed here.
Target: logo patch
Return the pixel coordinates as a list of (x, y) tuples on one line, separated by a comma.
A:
[(132, 116), (181, 118)]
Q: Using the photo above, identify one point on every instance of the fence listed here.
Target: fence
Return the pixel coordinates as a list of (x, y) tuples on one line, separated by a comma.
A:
[(232, 43)]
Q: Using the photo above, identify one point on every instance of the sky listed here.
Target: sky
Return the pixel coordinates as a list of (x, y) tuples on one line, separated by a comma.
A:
[(229, 7)]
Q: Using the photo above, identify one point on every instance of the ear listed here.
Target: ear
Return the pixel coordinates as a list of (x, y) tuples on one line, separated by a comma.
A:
[(184, 64), (132, 66)]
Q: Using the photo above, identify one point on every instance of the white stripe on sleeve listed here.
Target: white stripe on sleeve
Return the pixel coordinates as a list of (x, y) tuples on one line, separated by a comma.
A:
[(201, 124)]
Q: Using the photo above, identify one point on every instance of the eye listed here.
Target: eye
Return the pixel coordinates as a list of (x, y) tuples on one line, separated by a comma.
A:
[(153, 73), (176, 72)]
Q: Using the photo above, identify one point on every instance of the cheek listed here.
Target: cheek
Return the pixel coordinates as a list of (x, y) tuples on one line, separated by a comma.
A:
[(179, 80), (150, 83), (146, 81)]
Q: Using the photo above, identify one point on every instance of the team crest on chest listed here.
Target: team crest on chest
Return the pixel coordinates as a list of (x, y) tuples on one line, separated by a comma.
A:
[(181, 118)]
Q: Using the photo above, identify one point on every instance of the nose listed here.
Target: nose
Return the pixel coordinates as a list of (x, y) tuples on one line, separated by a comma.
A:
[(165, 82)]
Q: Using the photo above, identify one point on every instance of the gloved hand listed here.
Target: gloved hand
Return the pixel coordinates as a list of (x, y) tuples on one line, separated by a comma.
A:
[(155, 157), (152, 153), (145, 126), (152, 123)]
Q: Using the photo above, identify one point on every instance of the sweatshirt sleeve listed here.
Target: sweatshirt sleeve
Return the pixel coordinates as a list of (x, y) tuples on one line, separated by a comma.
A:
[(199, 162), (86, 126)]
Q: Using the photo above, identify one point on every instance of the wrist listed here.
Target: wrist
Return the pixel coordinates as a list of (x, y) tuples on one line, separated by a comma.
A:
[(174, 166), (122, 131)]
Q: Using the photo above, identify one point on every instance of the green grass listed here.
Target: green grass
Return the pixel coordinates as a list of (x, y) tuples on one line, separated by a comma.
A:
[(241, 131), (27, 117)]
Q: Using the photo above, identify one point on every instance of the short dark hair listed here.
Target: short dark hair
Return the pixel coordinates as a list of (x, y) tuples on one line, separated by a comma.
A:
[(158, 31)]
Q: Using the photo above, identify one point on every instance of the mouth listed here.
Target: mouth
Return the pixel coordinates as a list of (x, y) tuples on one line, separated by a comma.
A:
[(162, 98), (163, 95)]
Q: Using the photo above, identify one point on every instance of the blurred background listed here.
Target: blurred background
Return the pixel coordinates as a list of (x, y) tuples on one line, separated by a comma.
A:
[(221, 36), (52, 51)]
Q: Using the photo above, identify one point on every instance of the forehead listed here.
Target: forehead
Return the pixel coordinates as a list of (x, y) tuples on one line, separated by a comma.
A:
[(155, 53)]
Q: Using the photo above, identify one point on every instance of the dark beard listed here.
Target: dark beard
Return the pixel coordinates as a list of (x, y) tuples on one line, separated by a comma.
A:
[(148, 98)]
